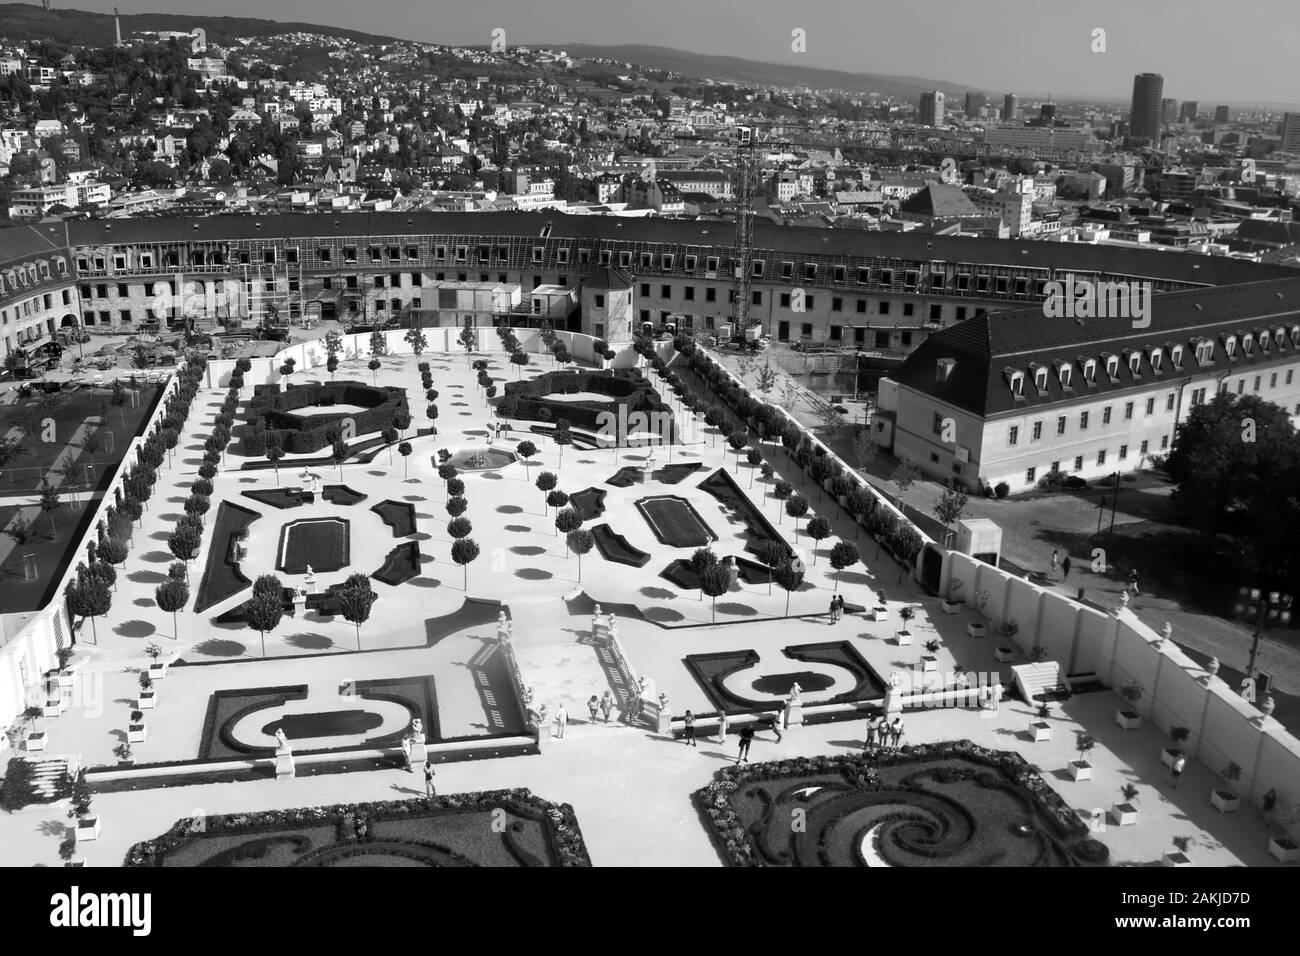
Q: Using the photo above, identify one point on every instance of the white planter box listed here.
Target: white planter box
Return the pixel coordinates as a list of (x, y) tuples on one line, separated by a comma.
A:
[(1003, 654), (148, 701), (88, 829), (950, 607), (1225, 801), (976, 630), (1283, 852), (1128, 719), (68, 680), (36, 742), (1080, 770), (880, 614), (136, 734), (1124, 814), (904, 638), (929, 664), (157, 671), (1168, 755), (1041, 731), (53, 707), (1177, 859)]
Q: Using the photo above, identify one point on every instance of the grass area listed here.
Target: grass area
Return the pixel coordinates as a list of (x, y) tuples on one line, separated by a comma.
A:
[(614, 547), (711, 671), (342, 495), (401, 564), (336, 723), (221, 576), (278, 497), (590, 503), (319, 543), (398, 515), (675, 522), (225, 707)]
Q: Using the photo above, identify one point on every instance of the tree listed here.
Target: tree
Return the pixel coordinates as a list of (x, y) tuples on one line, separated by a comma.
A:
[(702, 559), (796, 508), (789, 580), (402, 421), (456, 506), (404, 449), (355, 603), (904, 477), (463, 552), (333, 346), (197, 505), (714, 580), (339, 452), (274, 452), (772, 554), (755, 458), (184, 542), (89, 597), (781, 491), (287, 369), (375, 365), (566, 520), (738, 439), (562, 436), (468, 337), (111, 550), (546, 483), (864, 450), (818, 529), (415, 338), (263, 613), (49, 502), (580, 541), (951, 507), (171, 596), (459, 527), (519, 358), (844, 554)]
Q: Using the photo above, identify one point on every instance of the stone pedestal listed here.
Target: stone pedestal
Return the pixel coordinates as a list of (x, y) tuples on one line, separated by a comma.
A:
[(893, 700), (419, 751), (664, 721), (793, 713), (283, 764)]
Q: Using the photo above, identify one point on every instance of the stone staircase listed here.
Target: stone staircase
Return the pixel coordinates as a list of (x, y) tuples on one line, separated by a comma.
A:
[(49, 776), (1041, 681)]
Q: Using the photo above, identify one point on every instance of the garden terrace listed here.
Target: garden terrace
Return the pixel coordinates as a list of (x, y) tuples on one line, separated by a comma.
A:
[(627, 476), (730, 679), (534, 399), (951, 804), (453, 830), (676, 472), (222, 577), (272, 412), (680, 573)]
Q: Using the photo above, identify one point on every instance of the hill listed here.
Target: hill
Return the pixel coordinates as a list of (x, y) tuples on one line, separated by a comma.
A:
[(25, 21), (737, 69)]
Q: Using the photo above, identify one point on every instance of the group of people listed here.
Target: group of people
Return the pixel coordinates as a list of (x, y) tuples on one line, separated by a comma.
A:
[(1063, 565), (882, 733), (837, 608), (603, 705)]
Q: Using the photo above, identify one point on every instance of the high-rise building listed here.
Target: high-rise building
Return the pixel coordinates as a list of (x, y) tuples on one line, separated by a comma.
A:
[(931, 111), (1010, 106), (1290, 133), (1189, 111), (1144, 115), (1047, 114), (1168, 110), (1220, 114), (974, 103)]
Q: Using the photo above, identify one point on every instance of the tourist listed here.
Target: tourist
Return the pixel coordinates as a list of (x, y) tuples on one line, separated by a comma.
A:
[(428, 780), (1065, 568), (561, 719), (1056, 561), (882, 730), (1176, 771), (722, 727), (406, 754), (689, 722), (776, 724), (1267, 803), (606, 705), (1133, 582), (871, 736), (834, 608), (896, 731), (593, 706), (746, 738)]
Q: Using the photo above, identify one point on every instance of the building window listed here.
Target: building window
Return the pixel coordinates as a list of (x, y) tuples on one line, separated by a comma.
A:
[(1128, 411), (1151, 406), (884, 308), (1037, 431), (1105, 415), (1169, 402), (1142, 449), (805, 330), (1164, 442), (645, 290), (710, 294), (600, 301), (1123, 452), (1078, 463), (909, 309), (837, 333), (1060, 425), (1013, 435), (837, 304), (862, 306), (1083, 421), (936, 313), (1030, 473), (1101, 457), (666, 291), (757, 297)]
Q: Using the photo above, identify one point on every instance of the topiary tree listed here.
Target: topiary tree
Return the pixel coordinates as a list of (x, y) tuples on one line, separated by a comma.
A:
[(519, 359), (546, 483), (456, 506), (112, 550), (738, 440), (89, 597), (404, 449), (789, 578), (714, 580), (339, 453), (355, 602), (415, 338), (263, 613), (526, 450), (171, 596), (819, 529), (843, 555), (771, 554), (557, 499), (755, 458), (184, 542), (274, 452), (580, 541), (197, 505), (463, 552), (459, 527), (566, 520), (796, 508), (455, 488), (562, 436)]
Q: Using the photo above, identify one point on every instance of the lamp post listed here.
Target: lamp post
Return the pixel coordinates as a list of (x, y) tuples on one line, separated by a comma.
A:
[(1271, 607)]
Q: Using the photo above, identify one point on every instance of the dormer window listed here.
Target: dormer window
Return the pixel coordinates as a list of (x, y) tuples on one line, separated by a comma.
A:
[(1204, 351), (1017, 382), (1295, 336), (1090, 371), (1230, 346), (1065, 374), (1176, 356), (1040, 379), (1135, 364), (1112, 367), (943, 369), (1265, 340), (1248, 343), (1156, 357)]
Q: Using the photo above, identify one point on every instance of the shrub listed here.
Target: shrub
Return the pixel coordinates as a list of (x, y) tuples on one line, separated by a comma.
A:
[(1002, 489)]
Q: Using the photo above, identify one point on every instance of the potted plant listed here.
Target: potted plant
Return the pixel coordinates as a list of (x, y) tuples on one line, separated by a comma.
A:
[(1124, 812), (1128, 717), (905, 614), (66, 677), (136, 732), (80, 809), (1283, 849), (929, 662), (1005, 652), (35, 738), (123, 754), (148, 695), (53, 705), (1179, 857), (1179, 736), (157, 668), (978, 626), (881, 610), (1040, 729), (1081, 769), (67, 851), (950, 603), (1227, 801)]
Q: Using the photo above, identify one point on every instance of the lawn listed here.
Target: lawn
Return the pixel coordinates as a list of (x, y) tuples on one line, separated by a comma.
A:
[(221, 576), (398, 515), (318, 543), (675, 522)]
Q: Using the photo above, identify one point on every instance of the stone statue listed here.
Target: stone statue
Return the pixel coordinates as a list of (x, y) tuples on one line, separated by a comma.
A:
[(417, 729), (794, 693), (281, 740), (895, 680), (1123, 600), (1166, 633), (663, 702)]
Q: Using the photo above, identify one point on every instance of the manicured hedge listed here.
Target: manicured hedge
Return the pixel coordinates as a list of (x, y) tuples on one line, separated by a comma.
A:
[(271, 413), (623, 386)]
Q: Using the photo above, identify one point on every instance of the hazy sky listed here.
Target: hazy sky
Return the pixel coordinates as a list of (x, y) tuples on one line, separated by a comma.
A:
[(1000, 45)]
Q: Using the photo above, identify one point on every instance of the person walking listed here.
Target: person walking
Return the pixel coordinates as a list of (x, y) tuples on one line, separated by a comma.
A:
[(689, 721), (1133, 582), (1056, 561), (606, 705), (746, 738), (722, 727), (1176, 771), (832, 610), (428, 780), (776, 725), (561, 721), (593, 706), (1065, 568)]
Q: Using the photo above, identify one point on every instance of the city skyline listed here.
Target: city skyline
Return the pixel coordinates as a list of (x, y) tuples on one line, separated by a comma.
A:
[(1175, 40)]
